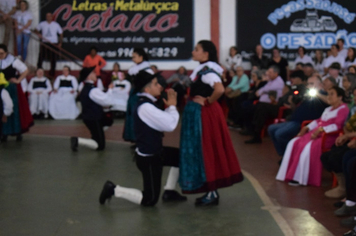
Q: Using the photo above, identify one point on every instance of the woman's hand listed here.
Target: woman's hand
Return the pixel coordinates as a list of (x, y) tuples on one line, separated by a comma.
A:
[(341, 140), (315, 134), (303, 131), (14, 81), (352, 144), (199, 99)]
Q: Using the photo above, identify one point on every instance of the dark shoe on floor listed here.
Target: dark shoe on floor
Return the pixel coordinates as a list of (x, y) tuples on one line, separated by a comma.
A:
[(173, 196), (338, 204), (107, 192), (74, 144), (346, 211), (246, 132), (293, 183), (254, 140), (209, 199), (19, 138), (350, 233), (349, 222)]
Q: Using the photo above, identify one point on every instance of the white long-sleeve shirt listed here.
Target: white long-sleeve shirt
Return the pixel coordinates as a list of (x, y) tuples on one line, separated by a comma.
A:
[(101, 98), (8, 105), (162, 121)]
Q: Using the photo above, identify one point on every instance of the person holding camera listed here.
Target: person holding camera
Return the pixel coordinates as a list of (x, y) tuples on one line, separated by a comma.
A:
[(309, 108)]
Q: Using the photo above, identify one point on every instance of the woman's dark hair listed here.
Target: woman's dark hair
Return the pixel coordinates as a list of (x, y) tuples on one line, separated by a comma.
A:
[(304, 50), (321, 59), (185, 70), (3, 47), (93, 48), (339, 92), (141, 52), (27, 6), (352, 66), (67, 68), (116, 64), (353, 58), (210, 48), (235, 48)]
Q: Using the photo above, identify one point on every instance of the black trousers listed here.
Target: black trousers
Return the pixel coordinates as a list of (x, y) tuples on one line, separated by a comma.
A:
[(332, 160), (47, 54), (97, 133), (263, 112), (151, 168), (235, 108)]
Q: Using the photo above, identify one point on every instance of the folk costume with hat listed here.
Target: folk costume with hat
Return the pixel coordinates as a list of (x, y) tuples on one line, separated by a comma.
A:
[(93, 100), (150, 122)]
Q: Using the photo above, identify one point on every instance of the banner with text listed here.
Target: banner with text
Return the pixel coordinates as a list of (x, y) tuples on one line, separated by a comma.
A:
[(163, 28), (314, 24)]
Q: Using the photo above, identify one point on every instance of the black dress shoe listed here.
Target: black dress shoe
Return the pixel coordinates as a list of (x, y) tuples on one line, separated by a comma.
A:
[(209, 199), (19, 138), (246, 132), (254, 140), (350, 233), (74, 144), (107, 192), (349, 222), (173, 196), (338, 204)]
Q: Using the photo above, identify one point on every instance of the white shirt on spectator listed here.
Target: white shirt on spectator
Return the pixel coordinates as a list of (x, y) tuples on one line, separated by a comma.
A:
[(7, 5), (331, 59), (319, 67), (233, 62), (50, 31), (338, 80), (22, 19), (343, 53), (306, 59)]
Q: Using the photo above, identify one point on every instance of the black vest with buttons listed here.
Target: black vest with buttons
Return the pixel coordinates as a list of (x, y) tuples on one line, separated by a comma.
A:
[(90, 109), (198, 87), (148, 140)]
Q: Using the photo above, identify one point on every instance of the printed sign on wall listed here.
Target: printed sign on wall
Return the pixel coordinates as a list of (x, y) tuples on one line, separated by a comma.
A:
[(163, 28), (314, 24)]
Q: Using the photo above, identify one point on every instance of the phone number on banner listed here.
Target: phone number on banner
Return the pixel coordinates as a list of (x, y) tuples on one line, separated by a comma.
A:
[(159, 52)]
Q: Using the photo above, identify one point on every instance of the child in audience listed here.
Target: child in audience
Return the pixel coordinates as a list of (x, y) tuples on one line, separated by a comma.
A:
[(121, 89)]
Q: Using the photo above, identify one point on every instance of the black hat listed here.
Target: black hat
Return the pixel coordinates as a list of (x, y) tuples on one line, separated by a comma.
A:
[(335, 65), (85, 72), (142, 78)]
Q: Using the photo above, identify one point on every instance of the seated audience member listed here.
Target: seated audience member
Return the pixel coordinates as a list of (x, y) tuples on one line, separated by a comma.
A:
[(299, 66), (6, 104), (350, 59), (349, 207), (62, 105), (334, 58), (301, 163), (39, 89), (93, 59), (349, 84), (332, 160), (234, 59), (319, 62), (334, 71), (264, 106), (120, 90), (308, 69), (281, 62), (179, 81), (302, 57), (352, 69), (238, 86), (342, 51), (258, 60), (310, 108)]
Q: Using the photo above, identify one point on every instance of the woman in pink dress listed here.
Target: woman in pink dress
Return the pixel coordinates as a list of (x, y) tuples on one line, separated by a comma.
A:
[(301, 163)]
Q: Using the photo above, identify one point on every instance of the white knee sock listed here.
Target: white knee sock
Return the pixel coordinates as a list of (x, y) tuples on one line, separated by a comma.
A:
[(350, 203), (172, 179), (130, 194), (90, 143)]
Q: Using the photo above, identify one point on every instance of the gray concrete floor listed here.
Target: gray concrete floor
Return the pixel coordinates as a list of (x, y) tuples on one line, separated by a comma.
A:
[(45, 189)]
